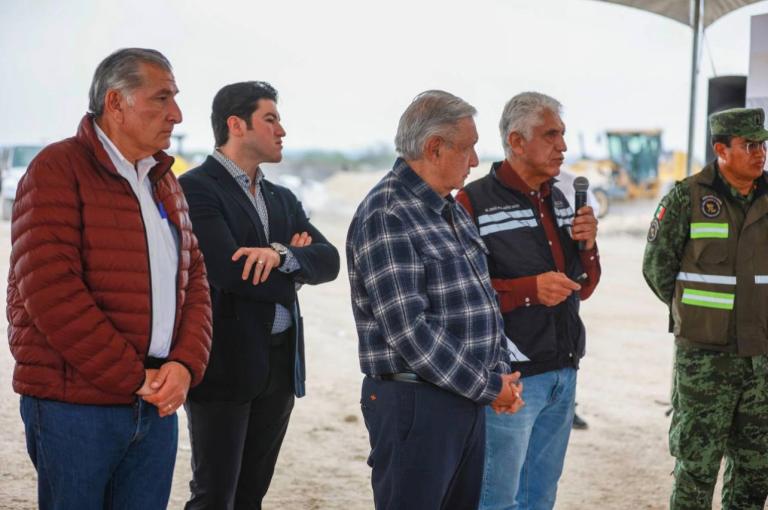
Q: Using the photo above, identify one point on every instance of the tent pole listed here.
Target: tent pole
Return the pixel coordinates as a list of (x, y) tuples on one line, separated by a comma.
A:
[(697, 4)]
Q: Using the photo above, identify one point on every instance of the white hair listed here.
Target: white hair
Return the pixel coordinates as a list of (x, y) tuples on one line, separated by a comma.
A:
[(432, 113), (522, 113)]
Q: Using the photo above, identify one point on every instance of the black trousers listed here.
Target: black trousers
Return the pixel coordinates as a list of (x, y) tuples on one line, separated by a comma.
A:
[(427, 446), (235, 444)]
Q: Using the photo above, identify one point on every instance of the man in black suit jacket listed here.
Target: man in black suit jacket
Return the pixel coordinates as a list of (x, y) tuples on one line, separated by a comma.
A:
[(259, 247)]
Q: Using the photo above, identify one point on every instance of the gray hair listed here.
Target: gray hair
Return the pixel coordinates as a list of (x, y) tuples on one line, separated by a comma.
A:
[(120, 71), (522, 113), (432, 113)]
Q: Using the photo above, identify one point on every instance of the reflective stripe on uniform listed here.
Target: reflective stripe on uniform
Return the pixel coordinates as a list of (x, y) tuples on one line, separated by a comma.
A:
[(707, 299), (708, 278), (761, 279), (709, 231), (509, 225), (563, 212), (504, 215), (564, 216)]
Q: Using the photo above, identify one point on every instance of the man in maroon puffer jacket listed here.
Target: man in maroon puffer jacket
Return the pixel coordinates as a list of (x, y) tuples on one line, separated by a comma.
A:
[(108, 304)]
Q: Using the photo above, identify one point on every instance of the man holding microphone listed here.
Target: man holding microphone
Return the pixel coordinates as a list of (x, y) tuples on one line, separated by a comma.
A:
[(543, 261)]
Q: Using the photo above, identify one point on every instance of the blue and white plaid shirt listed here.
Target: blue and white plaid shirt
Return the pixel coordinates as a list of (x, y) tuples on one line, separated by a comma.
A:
[(421, 294), (283, 319)]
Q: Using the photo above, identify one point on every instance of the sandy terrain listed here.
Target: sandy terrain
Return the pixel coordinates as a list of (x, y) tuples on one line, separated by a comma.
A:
[(621, 462)]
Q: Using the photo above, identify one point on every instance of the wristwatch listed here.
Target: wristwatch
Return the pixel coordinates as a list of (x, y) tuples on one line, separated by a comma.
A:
[(281, 250)]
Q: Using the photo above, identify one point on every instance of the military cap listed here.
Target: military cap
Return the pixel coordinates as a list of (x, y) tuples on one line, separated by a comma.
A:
[(747, 123)]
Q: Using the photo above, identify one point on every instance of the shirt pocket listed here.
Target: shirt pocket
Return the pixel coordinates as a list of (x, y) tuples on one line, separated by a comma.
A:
[(456, 283), (476, 246), (440, 245)]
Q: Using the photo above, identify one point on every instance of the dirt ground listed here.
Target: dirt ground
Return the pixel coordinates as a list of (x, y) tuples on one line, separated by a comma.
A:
[(620, 462)]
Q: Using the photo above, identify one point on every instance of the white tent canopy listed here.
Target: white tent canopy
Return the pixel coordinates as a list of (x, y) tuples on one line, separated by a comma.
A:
[(697, 14), (683, 10)]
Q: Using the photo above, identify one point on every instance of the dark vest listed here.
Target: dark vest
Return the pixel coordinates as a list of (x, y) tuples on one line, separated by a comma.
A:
[(721, 294), (550, 337)]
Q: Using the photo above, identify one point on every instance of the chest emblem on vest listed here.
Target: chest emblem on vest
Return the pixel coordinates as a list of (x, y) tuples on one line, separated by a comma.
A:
[(711, 206)]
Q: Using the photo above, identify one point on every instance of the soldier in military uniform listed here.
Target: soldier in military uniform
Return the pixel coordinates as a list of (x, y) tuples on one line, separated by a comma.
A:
[(706, 258)]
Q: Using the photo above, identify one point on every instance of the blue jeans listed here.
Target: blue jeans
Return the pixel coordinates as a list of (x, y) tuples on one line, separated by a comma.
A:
[(92, 457), (524, 452)]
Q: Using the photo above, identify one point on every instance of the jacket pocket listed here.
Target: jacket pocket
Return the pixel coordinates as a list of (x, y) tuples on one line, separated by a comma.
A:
[(710, 251), (702, 315)]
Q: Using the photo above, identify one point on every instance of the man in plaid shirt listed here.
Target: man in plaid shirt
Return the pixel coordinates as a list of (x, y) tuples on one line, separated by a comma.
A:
[(432, 342)]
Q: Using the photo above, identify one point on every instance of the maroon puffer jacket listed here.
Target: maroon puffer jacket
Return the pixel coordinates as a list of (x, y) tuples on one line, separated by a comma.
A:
[(79, 305)]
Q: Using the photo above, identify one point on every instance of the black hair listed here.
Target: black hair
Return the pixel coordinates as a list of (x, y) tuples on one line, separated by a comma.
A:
[(238, 99)]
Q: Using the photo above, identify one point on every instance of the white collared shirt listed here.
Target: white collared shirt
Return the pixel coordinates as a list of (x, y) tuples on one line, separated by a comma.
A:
[(162, 243)]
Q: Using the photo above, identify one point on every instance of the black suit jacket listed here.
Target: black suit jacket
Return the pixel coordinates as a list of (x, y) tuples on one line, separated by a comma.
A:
[(224, 219)]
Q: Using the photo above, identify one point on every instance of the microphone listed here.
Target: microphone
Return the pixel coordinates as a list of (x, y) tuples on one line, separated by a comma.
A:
[(580, 186)]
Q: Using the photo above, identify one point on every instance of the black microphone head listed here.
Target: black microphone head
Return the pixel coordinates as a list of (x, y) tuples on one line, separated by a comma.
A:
[(580, 184)]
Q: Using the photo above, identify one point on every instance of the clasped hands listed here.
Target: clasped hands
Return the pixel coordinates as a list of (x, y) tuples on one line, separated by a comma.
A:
[(509, 399), (263, 260), (166, 387)]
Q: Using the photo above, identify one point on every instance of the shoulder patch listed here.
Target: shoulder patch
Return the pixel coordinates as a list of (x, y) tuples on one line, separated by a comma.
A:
[(711, 206), (653, 231), (659, 214)]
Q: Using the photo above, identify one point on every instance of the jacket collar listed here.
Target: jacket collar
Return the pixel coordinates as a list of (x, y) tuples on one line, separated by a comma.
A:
[(710, 176), (216, 171), (86, 136), (508, 177)]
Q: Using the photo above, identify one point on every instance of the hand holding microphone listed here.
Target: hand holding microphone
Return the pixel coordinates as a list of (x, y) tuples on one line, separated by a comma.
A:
[(584, 229)]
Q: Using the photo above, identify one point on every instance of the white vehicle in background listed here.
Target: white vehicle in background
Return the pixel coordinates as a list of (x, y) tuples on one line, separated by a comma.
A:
[(14, 160)]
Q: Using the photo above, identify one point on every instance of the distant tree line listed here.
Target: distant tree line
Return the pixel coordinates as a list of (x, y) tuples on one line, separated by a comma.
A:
[(377, 157)]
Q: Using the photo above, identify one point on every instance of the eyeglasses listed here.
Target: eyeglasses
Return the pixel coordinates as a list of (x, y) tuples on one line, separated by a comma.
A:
[(751, 147)]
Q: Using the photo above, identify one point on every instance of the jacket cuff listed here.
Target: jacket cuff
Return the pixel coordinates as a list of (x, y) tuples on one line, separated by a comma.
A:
[(290, 265), (516, 292), (590, 258)]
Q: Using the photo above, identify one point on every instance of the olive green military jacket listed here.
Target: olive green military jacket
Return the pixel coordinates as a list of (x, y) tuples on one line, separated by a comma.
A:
[(707, 258)]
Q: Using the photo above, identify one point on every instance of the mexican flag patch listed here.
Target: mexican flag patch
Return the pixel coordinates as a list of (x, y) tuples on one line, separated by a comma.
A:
[(660, 212)]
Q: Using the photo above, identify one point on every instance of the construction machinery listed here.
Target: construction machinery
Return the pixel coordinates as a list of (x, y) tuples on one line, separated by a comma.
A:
[(636, 167)]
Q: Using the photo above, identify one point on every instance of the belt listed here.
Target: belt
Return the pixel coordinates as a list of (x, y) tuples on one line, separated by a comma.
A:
[(152, 362), (399, 377)]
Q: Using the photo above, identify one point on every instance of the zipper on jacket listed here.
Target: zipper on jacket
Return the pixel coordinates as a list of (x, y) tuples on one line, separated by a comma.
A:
[(178, 275)]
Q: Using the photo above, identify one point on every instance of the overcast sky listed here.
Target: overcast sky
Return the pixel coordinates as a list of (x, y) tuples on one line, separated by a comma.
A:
[(346, 69)]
